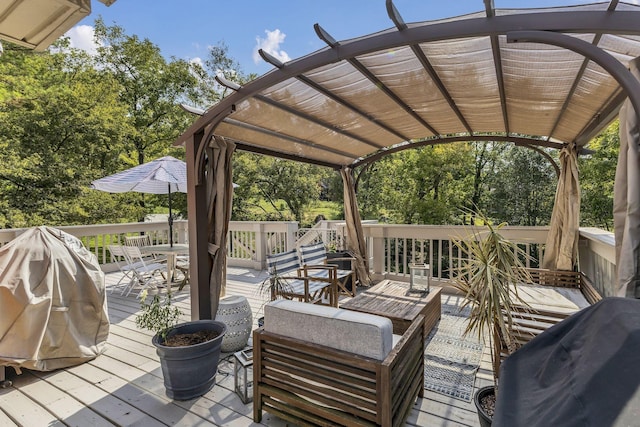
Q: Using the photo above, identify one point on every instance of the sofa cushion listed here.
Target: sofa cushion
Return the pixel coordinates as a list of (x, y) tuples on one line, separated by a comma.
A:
[(359, 333)]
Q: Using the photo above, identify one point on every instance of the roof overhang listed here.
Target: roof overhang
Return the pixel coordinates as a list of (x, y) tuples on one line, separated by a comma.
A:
[(36, 24), (431, 82)]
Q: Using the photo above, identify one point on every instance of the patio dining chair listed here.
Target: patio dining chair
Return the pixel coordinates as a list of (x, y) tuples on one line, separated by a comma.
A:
[(141, 241), (314, 255), (145, 274), (284, 269), (120, 257)]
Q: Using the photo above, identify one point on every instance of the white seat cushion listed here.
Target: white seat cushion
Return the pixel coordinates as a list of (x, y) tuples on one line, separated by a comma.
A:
[(560, 299), (359, 333)]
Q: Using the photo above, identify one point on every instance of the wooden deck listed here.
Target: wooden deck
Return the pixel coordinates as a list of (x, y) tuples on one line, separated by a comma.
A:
[(123, 386)]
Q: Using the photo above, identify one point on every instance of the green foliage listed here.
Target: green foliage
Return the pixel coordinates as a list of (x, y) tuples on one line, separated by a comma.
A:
[(158, 315), (286, 187), (275, 285), (421, 186), (523, 188), (59, 121), (597, 177)]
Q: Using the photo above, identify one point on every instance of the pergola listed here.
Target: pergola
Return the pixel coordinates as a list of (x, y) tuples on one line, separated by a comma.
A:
[(552, 77)]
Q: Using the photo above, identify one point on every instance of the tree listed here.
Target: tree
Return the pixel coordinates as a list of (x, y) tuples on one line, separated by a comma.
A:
[(274, 189), (597, 177), (422, 186), (152, 89), (486, 156), (523, 188), (59, 118)]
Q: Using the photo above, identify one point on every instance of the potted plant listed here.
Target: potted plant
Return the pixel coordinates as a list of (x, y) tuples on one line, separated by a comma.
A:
[(487, 276), (273, 286), (189, 352)]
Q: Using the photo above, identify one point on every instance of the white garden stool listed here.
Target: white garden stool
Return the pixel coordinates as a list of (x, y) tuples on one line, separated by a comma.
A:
[(235, 312)]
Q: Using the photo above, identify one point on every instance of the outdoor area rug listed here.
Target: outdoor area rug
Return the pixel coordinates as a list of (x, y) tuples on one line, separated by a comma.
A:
[(451, 360)]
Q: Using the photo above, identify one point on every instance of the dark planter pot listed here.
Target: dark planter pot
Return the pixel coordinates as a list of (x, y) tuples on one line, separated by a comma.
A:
[(190, 371), (485, 420)]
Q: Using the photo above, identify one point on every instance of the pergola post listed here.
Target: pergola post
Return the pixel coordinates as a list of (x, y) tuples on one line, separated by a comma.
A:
[(199, 264)]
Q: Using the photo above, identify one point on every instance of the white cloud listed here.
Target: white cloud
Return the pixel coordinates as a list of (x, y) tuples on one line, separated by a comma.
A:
[(81, 37), (197, 60), (271, 45)]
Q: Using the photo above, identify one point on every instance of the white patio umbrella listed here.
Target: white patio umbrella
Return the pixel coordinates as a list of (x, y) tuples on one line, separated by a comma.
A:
[(161, 176)]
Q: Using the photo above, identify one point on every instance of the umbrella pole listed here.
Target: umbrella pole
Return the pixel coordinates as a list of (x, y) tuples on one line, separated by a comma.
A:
[(170, 219)]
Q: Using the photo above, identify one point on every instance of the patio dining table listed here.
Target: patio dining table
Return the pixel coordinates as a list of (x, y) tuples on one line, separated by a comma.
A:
[(171, 253)]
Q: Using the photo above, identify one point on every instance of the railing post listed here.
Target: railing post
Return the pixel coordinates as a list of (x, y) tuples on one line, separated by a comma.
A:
[(181, 229), (261, 246), (292, 227), (377, 233)]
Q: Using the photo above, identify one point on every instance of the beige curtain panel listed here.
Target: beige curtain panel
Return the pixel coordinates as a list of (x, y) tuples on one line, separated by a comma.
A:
[(626, 199), (219, 200), (561, 248), (355, 235)]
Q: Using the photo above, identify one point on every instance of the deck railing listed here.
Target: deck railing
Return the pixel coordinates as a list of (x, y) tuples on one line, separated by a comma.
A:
[(391, 248)]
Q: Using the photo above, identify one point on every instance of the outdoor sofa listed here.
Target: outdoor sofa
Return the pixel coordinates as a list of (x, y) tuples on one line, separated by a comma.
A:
[(552, 296), (320, 365)]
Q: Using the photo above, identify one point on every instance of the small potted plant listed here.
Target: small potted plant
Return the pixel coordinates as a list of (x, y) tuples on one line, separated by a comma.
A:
[(189, 352), (487, 276), (273, 286)]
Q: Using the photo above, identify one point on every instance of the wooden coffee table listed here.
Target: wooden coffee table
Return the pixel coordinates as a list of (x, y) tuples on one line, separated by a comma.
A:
[(392, 300)]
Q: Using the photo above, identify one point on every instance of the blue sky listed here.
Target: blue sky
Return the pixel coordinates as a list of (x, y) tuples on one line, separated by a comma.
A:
[(284, 28)]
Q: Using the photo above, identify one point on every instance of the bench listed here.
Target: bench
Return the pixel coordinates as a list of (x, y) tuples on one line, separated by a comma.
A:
[(529, 322), (319, 365)]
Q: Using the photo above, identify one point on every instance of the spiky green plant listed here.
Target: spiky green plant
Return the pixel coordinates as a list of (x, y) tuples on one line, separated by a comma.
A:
[(275, 285), (487, 275)]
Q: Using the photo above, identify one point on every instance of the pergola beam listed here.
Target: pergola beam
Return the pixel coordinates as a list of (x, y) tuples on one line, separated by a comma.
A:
[(391, 94), (490, 10), (289, 138), (524, 141), (608, 112), (268, 152), (623, 76), (520, 142)]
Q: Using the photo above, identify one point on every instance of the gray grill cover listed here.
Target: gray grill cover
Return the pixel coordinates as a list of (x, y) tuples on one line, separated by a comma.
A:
[(584, 371), (53, 307)]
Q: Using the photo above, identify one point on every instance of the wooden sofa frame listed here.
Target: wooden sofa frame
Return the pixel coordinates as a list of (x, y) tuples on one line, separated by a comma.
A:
[(310, 384), (528, 322)]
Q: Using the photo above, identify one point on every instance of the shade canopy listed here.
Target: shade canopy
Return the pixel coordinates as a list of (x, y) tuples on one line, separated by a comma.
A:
[(38, 23), (161, 176), (473, 77), (165, 175)]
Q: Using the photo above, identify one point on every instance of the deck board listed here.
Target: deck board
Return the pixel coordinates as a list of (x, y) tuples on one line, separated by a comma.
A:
[(124, 385)]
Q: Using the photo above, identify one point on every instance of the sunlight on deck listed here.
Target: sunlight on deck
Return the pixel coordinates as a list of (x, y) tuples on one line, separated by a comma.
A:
[(124, 385)]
